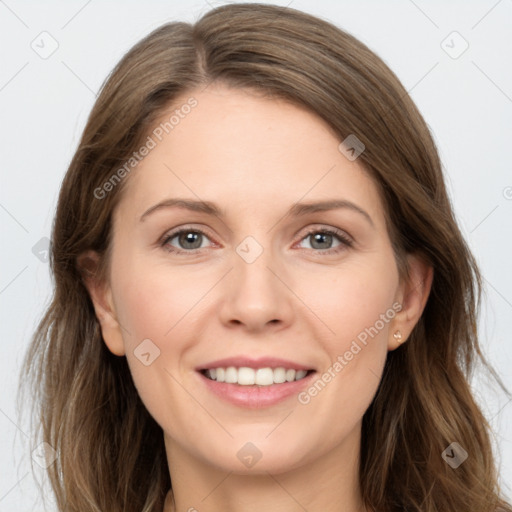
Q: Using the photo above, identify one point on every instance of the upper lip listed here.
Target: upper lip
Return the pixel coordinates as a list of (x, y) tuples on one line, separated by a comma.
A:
[(262, 362)]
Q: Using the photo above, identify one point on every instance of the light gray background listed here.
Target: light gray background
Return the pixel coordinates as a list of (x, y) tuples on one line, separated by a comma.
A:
[(467, 102)]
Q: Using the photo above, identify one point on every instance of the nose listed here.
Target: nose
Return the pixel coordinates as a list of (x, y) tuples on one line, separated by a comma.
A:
[(256, 295)]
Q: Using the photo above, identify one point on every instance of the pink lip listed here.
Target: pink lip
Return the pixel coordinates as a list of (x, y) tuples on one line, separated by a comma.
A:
[(255, 397), (262, 362)]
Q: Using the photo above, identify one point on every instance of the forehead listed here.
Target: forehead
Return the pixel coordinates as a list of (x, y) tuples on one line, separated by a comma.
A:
[(245, 152)]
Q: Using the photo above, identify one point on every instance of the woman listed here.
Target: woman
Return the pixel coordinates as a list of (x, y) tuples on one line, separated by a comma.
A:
[(310, 350)]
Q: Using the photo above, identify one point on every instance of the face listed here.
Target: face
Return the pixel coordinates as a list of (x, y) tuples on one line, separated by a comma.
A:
[(261, 281)]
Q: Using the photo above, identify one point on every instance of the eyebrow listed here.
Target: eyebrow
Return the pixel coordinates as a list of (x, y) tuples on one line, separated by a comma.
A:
[(296, 210)]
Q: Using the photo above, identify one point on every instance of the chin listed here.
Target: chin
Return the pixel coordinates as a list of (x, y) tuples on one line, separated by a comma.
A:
[(251, 460)]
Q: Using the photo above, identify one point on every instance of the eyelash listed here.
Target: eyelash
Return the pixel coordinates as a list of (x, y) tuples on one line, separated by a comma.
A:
[(345, 241)]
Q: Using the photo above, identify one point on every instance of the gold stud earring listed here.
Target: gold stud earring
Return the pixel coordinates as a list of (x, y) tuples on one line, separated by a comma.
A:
[(398, 336)]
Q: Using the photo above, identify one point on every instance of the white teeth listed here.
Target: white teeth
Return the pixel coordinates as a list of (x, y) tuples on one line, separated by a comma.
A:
[(231, 375), (245, 376), (300, 374), (264, 377), (279, 375)]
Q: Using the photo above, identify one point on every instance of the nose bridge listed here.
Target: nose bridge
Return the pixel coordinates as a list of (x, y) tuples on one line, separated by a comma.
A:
[(254, 295)]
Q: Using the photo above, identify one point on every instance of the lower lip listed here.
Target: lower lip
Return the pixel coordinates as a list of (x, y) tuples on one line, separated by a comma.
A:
[(256, 397)]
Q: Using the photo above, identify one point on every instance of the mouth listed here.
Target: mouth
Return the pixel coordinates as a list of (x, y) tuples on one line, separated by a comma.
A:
[(255, 388), (255, 377), (255, 383)]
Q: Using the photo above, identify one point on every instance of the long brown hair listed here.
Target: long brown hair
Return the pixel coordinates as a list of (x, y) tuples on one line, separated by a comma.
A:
[(111, 455)]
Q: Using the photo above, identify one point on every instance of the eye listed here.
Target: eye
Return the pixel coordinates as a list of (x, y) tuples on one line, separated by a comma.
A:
[(189, 240), (322, 239)]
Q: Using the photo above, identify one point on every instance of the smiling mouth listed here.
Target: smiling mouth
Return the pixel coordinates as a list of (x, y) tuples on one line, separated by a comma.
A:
[(244, 376)]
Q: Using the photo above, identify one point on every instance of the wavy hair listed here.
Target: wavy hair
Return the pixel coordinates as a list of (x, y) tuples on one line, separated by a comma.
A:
[(111, 454)]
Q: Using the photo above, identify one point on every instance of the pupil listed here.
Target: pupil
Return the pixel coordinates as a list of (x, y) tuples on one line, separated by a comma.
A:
[(322, 238), (190, 238)]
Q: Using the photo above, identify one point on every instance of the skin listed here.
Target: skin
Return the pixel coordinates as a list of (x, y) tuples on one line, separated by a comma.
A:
[(255, 158)]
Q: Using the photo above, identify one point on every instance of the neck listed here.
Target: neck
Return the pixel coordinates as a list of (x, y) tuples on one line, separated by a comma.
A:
[(329, 483)]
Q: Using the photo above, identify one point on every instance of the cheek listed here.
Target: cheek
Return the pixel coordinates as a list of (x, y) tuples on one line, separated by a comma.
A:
[(352, 300), (358, 310), (155, 300), (153, 306)]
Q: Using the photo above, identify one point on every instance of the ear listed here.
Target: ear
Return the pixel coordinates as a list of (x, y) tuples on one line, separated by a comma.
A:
[(412, 294), (101, 296)]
